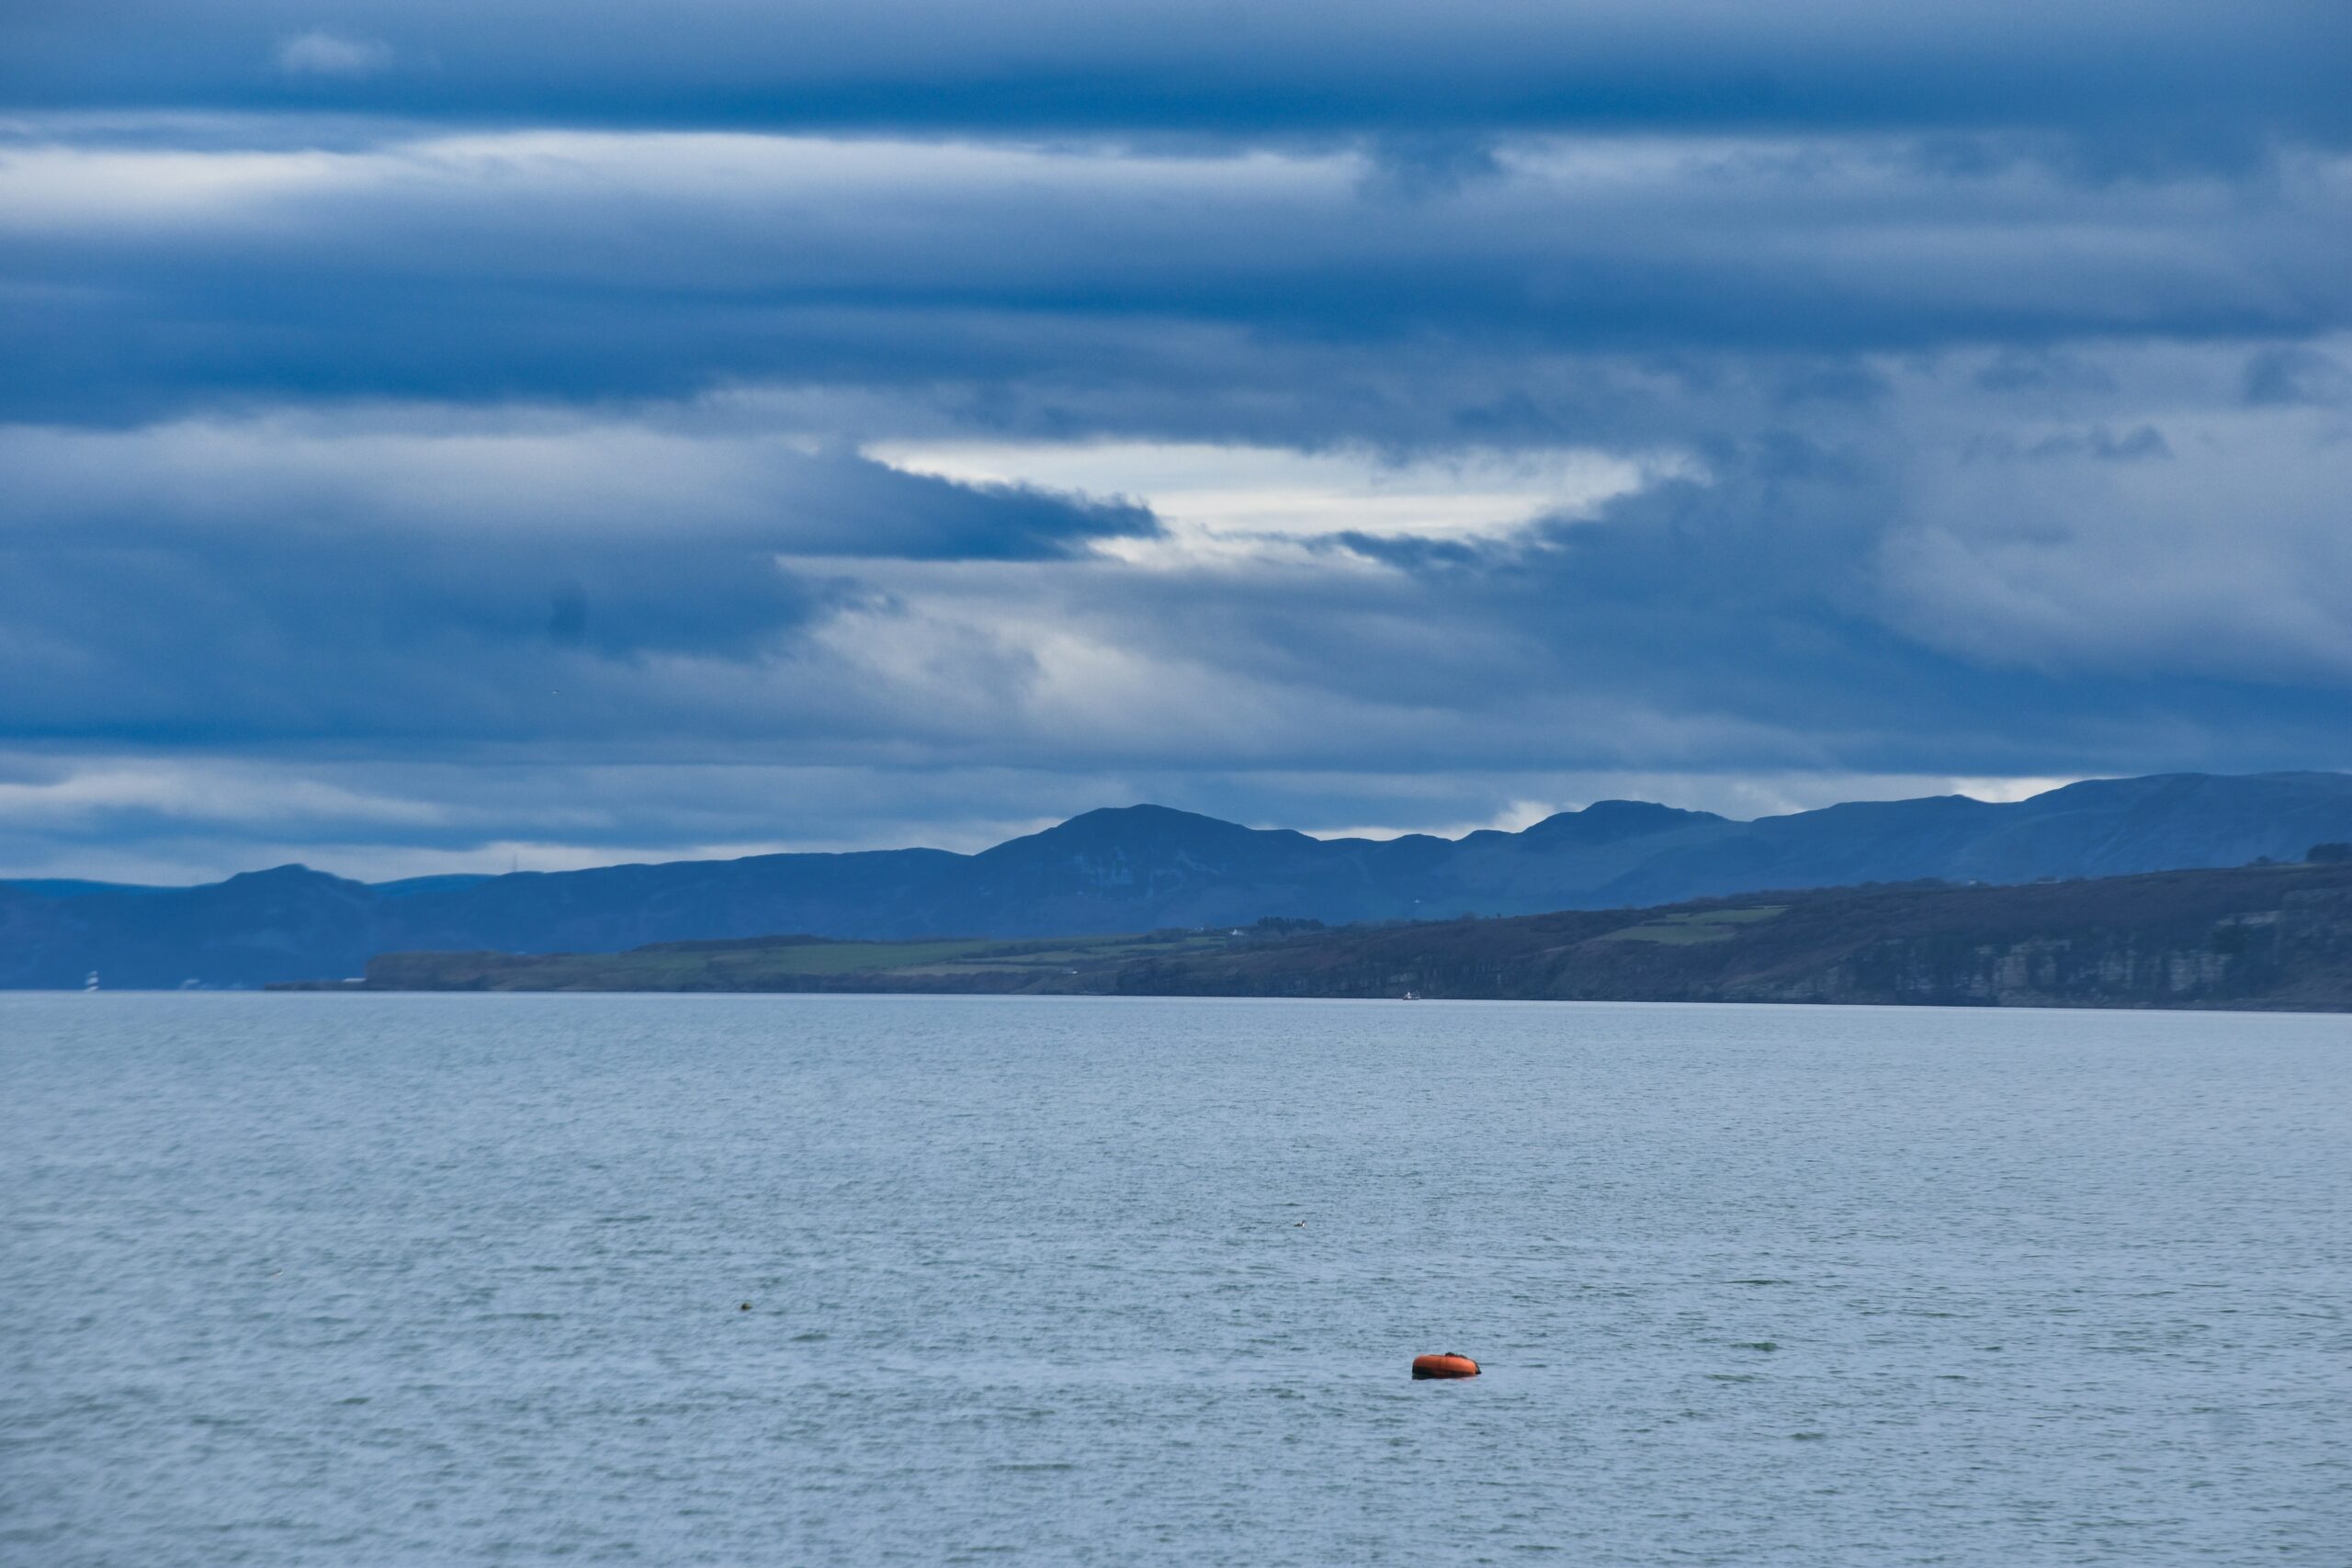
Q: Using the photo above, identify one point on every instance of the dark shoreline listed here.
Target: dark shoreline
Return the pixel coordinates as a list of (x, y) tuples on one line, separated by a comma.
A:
[(2275, 938)]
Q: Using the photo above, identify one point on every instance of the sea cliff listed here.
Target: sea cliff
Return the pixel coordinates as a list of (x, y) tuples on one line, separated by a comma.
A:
[(2271, 936)]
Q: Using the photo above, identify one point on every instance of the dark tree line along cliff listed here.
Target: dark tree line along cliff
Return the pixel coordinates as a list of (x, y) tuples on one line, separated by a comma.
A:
[(2277, 936)]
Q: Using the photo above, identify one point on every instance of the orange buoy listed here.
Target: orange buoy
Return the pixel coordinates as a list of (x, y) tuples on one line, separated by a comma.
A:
[(1447, 1365)]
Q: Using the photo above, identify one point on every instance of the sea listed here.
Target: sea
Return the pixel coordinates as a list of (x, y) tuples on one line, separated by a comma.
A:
[(377, 1281)]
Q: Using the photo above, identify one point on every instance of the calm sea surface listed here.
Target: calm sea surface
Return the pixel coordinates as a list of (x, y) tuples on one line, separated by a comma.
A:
[(388, 1281)]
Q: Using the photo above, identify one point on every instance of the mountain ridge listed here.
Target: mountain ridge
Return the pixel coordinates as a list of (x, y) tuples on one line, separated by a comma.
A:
[(1143, 867)]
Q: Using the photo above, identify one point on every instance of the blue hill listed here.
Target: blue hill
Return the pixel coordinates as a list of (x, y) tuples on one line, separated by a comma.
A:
[(1143, 867)]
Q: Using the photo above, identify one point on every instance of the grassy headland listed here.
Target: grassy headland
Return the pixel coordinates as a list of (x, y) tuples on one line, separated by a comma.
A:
[(2264, 936)]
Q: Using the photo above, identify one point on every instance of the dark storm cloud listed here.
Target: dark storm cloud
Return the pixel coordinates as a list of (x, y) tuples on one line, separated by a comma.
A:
[(569, 266), (430, 426), (1756, 614), (1746, 618), (2168, 77), (1747, 614), (2290, 375), (552, 582)]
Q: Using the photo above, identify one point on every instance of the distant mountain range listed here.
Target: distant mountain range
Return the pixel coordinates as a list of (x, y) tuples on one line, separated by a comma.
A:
[(1145, 867)]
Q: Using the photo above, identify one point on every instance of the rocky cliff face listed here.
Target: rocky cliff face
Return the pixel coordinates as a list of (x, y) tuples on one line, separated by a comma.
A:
[(2299, 954), (2253, 937)]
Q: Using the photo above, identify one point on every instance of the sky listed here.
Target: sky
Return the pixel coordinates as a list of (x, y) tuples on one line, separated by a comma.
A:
[(445, 437)]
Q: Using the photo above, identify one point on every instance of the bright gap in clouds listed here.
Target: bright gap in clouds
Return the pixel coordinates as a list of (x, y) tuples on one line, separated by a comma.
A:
[(1742, 797), (1225, 499)]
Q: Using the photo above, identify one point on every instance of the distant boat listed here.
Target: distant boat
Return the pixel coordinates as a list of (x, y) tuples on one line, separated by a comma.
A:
[(1410, 997)]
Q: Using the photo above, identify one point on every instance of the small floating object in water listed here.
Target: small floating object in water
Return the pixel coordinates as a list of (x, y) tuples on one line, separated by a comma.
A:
[(1446, 1365), (745, 1307)]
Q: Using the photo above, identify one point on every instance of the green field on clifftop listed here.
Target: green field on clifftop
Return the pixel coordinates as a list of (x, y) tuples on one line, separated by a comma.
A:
[(791, 964)]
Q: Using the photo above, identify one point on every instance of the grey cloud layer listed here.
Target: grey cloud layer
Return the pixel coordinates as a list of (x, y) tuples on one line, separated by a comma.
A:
[(1873, 583), (565, 265), (2141, 78), (554, 582), (515, 435)]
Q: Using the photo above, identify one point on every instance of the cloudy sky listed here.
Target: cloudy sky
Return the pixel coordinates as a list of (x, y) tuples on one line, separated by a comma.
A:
[(438, 437)]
